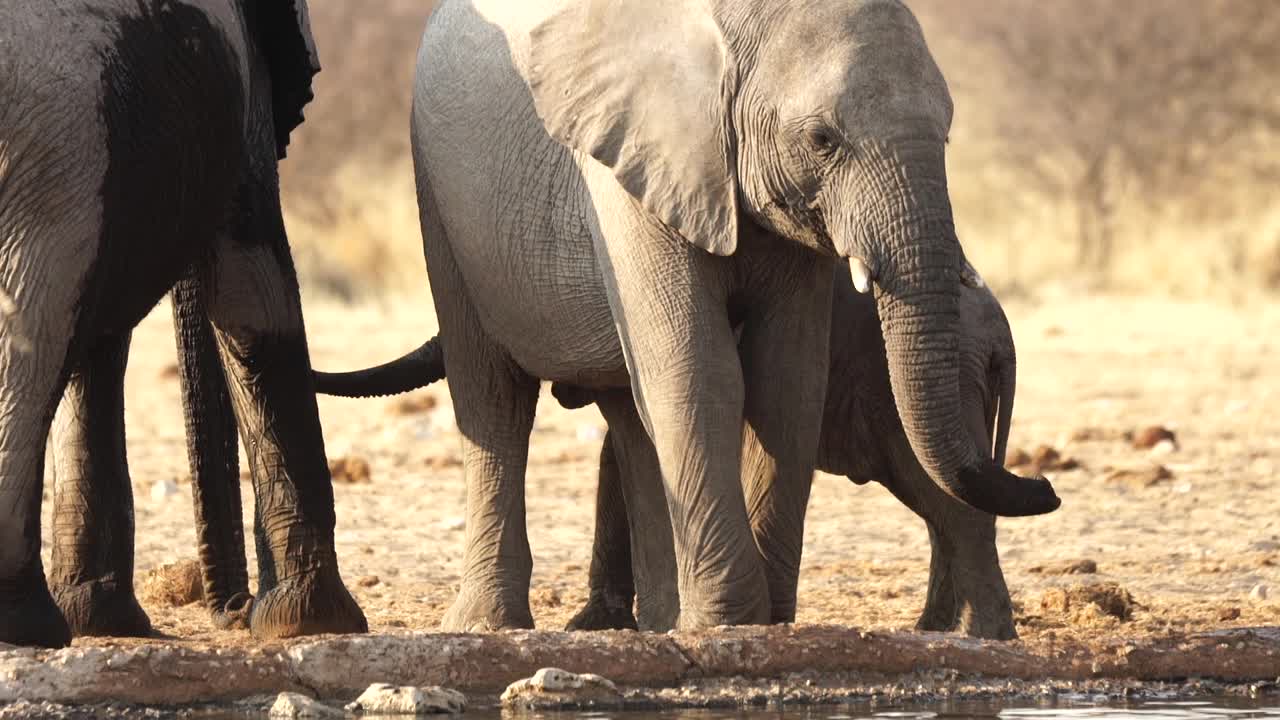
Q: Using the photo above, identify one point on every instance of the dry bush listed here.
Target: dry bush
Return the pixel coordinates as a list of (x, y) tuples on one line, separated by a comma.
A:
[(1130, 145)]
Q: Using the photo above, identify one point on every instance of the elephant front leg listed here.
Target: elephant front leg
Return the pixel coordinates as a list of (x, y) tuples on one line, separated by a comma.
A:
[(612, 590), (784, 361), (256, 312), (967, 590), (213, 453), (669, 302), (91, 577)]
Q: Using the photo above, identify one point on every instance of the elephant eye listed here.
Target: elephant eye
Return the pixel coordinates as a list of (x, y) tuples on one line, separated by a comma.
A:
[(822, 140)]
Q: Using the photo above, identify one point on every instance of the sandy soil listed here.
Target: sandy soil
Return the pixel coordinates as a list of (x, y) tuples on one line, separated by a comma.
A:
[(1199, 549)]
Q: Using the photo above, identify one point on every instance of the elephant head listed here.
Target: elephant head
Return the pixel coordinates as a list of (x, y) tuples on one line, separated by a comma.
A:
[(282, 29), (822, 122)]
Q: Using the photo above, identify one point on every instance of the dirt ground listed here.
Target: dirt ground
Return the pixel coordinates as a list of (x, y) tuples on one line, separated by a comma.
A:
[(1197, 546)]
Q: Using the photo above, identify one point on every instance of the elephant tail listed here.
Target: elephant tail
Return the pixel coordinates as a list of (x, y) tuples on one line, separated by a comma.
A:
[(417, 369)]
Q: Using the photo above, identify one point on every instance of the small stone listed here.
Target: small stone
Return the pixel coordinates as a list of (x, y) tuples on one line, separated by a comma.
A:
[(386, 699), (1067, 567), (368, 581), (556, 689), (296, 705), (1164, 447), (1148, 437), (1140, 478), (172, 585), (162, 490), (350, 470), (1259, 592)]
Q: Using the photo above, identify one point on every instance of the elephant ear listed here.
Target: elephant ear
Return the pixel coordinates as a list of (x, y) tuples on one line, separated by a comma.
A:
[(645, 88), (284, 34)]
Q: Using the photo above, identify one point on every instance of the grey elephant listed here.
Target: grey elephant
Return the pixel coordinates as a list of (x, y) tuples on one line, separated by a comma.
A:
[(863, 439), (608, 188), (139, 142)]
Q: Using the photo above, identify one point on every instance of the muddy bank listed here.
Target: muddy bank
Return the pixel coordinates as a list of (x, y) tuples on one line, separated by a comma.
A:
[(802, 663)]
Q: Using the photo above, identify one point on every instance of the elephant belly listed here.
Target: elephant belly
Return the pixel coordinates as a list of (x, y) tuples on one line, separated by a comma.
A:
[(513, 204)]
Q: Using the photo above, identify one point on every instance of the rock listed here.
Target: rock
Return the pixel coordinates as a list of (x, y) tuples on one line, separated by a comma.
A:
[(1259, 592), (1148, 437), (387, 699), (297, 705), (172, 585), (415, 404), (1108, 599), (1043, 458), (1140, 478), (556, 689), (350, 470), (1164, 447), (162, 490), (1067, 567)]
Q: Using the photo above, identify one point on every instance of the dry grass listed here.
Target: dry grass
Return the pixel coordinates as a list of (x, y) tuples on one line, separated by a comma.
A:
[(353, 215)]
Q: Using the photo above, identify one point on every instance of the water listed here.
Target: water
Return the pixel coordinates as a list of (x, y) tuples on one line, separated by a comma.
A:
[(1066, 707), (1221, 708)]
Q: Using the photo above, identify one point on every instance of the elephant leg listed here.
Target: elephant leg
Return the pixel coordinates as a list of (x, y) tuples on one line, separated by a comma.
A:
[(939, 612), (213, 453), (33, 373), (257, 315), (784, 417), (967, 590), (669, 301), (653, 559), (612, 591), (494, 404), (92, 572)]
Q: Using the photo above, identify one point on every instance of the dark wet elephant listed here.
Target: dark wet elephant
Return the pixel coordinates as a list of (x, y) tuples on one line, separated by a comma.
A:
[(139, 142)]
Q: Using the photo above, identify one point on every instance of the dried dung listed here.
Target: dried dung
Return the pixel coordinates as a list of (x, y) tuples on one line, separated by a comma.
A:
[(172, 585), (350, 470)]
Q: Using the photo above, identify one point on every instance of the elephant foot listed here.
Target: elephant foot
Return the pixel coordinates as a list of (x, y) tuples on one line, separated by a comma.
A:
[(985, 623), (234, 613), (313, 603), (29, 617), (988, 623), (102, 608), (604, 611), (702, 617), (487, 611)]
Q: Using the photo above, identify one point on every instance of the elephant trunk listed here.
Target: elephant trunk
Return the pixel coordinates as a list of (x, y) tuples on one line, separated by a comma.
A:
[(920, 321), (416, 369), (909, 248)]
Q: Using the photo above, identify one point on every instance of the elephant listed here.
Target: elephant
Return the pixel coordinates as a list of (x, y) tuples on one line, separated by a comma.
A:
[(139, 151), (606, 189), (862, 438)]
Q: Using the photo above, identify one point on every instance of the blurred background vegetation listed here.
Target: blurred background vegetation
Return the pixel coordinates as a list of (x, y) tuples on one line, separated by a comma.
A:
[(1097, 145)]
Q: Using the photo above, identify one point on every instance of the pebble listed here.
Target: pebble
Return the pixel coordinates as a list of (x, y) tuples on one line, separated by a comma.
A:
[(553, 688), (387, 699), (162, 490), (1259, 592), (297, 705)]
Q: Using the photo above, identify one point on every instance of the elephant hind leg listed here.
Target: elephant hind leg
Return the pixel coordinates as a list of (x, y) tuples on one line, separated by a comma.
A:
[(493, 402), (44, 291), (612, 589), (92, 573)]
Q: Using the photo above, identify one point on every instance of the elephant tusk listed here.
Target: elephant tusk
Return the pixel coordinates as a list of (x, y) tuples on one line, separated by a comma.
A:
[(861, 275), (969, 275)]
